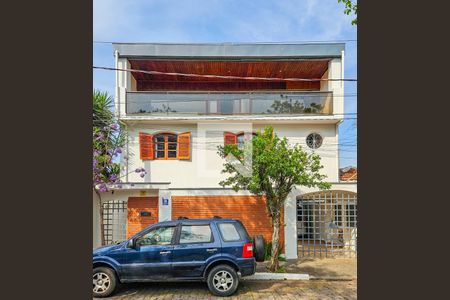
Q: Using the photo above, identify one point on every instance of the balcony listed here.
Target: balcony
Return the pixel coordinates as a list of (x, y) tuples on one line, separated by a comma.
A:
[(224, 103)]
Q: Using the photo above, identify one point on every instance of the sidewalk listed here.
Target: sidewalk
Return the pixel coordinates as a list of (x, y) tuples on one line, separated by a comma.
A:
[(319, 268)]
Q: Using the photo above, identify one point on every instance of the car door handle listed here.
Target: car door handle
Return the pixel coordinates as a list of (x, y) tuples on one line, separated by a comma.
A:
[(164, 252), (211, 249)]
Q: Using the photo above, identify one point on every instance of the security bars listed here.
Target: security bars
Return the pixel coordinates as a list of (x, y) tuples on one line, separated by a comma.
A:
[(114, 221), (327, 224)]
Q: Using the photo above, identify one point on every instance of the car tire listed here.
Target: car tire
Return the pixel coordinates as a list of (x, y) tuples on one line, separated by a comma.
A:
[(222, 280), (258, 248), (104, 282)]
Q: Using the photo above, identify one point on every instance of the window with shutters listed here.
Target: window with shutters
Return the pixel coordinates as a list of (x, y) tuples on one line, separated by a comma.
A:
[(165, 146), (238, 139)]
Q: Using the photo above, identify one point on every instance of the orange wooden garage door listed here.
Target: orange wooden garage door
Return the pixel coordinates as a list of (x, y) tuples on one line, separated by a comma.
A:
[(136, 205), (251, 210)]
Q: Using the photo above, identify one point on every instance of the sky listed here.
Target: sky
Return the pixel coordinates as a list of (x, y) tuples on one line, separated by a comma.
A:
[(201, 21)]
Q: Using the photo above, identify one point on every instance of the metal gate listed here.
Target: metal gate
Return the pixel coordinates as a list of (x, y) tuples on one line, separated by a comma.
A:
[(326, 224), (114, 221)]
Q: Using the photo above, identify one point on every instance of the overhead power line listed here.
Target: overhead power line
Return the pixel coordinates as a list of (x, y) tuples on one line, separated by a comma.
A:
[(238, 43), (224, 76)]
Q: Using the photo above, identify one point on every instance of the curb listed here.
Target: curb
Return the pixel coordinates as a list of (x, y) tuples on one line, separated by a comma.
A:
[(332, 278), (277, 276)]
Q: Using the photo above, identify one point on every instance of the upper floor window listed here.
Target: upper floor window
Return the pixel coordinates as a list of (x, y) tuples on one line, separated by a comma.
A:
[(238, 139), (314, 140), (166, 145)]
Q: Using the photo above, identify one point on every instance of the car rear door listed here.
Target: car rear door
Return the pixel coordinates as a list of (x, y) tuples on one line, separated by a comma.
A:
[(195, 245)]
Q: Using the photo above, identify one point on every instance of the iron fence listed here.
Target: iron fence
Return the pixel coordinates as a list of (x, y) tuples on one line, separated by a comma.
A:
[(327, 224), (114, 221)]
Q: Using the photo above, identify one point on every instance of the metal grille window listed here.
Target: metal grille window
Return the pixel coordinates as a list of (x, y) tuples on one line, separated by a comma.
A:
[(351, 215), (338, 214), (326, 224), (114, 221)]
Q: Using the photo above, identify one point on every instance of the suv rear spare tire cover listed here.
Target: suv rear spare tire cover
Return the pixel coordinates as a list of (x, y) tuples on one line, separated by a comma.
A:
[(258, 248)]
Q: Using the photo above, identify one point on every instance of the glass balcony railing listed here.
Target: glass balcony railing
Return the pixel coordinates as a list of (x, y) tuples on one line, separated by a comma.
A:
[(234, 103)]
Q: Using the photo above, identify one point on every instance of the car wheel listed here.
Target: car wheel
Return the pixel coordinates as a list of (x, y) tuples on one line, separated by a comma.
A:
[(104, 282), (223, 280), (258, 248)]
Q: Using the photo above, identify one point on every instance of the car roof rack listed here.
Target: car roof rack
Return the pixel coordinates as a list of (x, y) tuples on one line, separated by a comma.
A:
[(182, 218), (217, 217)]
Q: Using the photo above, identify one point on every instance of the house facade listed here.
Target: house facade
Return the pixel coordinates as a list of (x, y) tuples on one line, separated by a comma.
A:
[(179, 102)]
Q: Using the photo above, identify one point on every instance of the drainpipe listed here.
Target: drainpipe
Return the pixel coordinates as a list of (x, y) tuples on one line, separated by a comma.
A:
[(342, 70), (128, 153), (116, 65)]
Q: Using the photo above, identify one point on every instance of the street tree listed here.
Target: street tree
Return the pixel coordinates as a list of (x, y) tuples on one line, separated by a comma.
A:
[(274, 169)]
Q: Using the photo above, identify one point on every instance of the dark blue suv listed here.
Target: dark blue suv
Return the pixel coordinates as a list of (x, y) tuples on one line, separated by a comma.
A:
[(218, 251)]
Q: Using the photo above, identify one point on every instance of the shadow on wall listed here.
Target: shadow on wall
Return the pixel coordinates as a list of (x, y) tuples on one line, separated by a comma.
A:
[(251, 210)]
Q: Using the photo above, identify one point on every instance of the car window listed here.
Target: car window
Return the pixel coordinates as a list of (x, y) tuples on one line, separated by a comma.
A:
[(195, 234), (229, 232), (157, 236)]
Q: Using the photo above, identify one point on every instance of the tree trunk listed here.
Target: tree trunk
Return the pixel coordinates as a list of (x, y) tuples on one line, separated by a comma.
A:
[(273, 265), (100, 209)]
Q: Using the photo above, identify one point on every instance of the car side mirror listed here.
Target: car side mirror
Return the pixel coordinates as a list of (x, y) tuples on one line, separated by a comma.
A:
[(132, 244)]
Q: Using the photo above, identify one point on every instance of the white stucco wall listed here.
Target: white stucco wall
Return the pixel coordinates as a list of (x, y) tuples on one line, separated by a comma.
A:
[(203, 169), (96, 240), (335, 71)]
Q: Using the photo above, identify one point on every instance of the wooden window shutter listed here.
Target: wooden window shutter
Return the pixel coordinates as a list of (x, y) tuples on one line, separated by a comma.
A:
[(184, 145), (230, 138), (146, 146)]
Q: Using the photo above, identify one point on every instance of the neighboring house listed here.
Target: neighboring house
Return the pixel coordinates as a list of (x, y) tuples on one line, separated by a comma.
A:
[(175, 123), (348, 174)]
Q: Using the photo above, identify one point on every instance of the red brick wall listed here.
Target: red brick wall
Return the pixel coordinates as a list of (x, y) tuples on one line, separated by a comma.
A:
[(136, 205), (251, 210)]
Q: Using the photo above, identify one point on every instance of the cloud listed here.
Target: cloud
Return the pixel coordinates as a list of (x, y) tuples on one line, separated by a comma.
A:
[(213, 20)]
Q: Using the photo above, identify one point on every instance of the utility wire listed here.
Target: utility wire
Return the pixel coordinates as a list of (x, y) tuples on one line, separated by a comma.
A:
[(237, 43), (224, 76)]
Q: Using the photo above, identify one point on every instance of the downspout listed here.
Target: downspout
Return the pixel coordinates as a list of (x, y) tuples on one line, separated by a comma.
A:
[(128, 153), (342, 70), (116, 65)]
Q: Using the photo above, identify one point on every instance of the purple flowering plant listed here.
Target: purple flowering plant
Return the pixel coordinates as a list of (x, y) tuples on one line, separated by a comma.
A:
[(108, 139)]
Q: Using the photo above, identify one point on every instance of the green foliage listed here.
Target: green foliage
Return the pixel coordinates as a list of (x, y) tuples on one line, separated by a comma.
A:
[(102, 105), (276, 168), (108, 138), (268, 254), (293, 107), (350, 8)]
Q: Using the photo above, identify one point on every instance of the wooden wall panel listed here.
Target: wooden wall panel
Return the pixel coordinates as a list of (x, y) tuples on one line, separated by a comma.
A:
[(273, 69)]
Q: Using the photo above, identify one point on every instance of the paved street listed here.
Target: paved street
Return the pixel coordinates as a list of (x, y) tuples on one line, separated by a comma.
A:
[(247, 290)]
